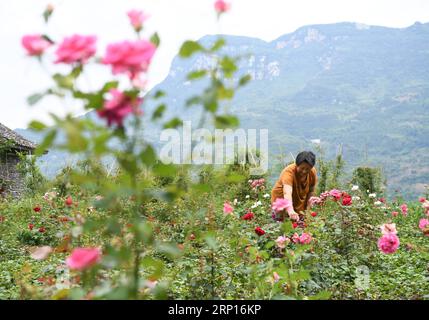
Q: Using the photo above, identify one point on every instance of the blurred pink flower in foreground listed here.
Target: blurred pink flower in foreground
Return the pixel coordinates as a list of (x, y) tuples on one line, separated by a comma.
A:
[(222, 6), (137, 18), (129, 57), (388, 243), (282, 204), (76, 48), (35, 44), (83, 258), (118, 107)]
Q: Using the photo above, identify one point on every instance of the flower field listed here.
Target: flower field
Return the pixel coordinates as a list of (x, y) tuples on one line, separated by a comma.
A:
[(54, 247)]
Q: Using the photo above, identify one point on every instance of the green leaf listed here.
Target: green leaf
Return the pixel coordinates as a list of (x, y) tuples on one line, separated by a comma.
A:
[(159, 94), (145, 232), (37, 125), (129, 163), (244, 80), (218, 44), (196, 74), (193, 100), (156, 265), (76, 142), (62, 81), (171, 250), (164, 170), (287, 227), (155, 39), (211, 240), (228, 66), (110, 85), (225, 93), (173, 123), (148, 156), (226, 121), (159, 111), (189, 48), (46, 143), (35, 98)]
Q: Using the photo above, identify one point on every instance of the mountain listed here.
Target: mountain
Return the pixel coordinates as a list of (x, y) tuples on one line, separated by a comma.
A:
[(363, 87)]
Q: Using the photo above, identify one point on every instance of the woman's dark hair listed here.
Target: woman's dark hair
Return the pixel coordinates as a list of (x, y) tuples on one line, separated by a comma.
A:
[(306, 156)]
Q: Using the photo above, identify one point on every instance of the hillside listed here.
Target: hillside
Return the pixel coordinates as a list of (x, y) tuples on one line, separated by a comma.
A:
[(364, 87)]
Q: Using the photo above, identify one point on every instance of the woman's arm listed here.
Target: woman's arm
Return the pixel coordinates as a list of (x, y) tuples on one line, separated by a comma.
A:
[(287, 193)]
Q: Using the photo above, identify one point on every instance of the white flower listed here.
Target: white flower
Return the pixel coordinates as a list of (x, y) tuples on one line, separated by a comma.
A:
[(235, 202), (378, 203), (355, 198), (354, 188), (267, 195), (372, 195), (259, 203), (247, 197)]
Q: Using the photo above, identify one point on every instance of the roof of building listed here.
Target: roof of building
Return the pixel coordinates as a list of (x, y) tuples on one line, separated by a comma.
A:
[(18, 141)]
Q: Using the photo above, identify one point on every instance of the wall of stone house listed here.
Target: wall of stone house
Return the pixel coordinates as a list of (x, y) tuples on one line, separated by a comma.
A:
[(14, 184)]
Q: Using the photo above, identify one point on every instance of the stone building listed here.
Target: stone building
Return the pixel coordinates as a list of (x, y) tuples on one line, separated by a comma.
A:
[(11, 143)]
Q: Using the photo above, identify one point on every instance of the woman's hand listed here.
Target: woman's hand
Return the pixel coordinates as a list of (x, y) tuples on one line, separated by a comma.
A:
[(293, 215)]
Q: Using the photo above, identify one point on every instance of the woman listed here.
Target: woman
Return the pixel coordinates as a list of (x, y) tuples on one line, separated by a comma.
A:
[(297, 183)]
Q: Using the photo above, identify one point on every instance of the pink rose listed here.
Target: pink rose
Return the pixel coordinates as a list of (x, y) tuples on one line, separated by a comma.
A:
[(295, 238), (282, 241), (83, 258), (276, 276), (404, 209), (76, 48), (118, 107), (389, 228), (336, 194), (423, 223), (395, 213), (388, 243), (130, 58), (35, 44), (305, 238), (422, 200), (222, 6), (227, 208), (137, 18), (282, 204)]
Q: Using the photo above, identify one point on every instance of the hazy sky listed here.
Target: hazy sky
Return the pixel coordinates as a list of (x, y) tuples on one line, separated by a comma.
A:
[(175, 20)]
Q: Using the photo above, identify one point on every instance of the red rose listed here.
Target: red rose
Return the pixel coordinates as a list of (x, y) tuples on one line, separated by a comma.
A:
[(313, 214), (347, 200), (42, 229), (192, 236), (37, 208), (30, 226), (69, 201), (259, 231), (248, 216), (294, 225), (382, 200)]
